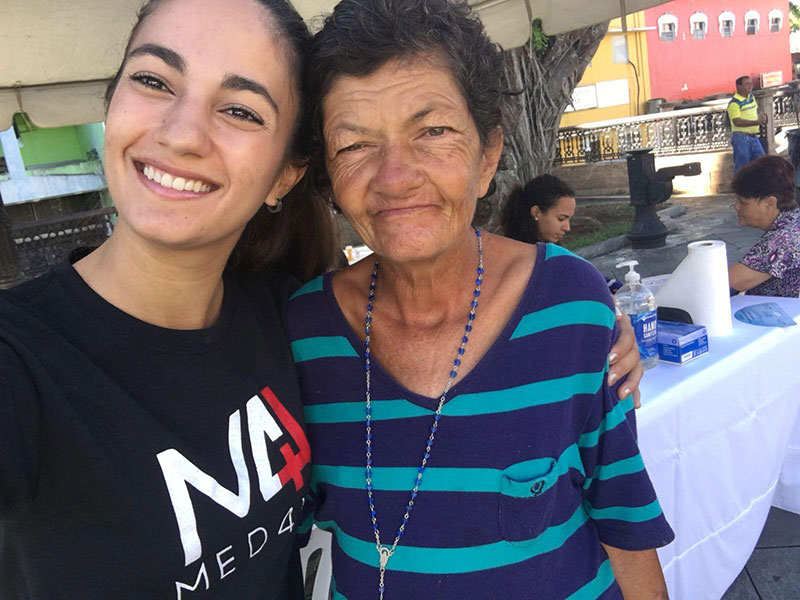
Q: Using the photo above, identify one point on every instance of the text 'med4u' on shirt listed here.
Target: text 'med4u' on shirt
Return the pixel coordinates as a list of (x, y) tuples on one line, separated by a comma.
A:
[(142, 462)]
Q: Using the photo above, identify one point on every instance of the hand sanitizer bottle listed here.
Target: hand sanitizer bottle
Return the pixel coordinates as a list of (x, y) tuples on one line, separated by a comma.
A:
[(636, 301)]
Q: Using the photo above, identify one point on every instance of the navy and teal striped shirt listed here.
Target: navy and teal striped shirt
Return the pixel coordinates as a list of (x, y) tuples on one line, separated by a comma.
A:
[(535, 462)]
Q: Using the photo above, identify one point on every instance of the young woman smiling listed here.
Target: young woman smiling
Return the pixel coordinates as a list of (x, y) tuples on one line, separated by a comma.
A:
[(151, 439)]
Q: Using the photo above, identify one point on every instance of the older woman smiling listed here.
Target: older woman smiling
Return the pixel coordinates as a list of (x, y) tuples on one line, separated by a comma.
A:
[(457, 382)]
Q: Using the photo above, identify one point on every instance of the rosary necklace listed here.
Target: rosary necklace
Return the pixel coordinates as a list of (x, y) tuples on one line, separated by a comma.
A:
[(386, 552)]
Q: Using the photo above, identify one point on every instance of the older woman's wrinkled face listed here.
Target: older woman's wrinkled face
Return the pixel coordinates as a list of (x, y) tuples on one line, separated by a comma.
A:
[(405, 159), (756, 212)]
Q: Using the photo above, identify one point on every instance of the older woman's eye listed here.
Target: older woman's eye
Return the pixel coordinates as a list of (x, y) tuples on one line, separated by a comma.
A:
[(150, 80), (243, 114), (350, 148), (436, 131)]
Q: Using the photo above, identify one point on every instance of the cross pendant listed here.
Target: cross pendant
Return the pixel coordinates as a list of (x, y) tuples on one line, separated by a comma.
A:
[(384, 555)]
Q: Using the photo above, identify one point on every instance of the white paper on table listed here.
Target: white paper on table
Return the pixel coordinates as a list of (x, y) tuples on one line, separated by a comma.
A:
[(699, 285)]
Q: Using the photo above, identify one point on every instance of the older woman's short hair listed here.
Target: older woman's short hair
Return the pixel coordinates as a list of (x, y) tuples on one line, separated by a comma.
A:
[(361, 36), (767, 176)]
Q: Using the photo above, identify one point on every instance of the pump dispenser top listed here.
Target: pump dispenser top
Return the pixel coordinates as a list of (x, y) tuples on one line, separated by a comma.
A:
[(636, 301), (631, 276)]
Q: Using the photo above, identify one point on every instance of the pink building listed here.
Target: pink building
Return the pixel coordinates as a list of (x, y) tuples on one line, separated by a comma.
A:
[(699, 47)]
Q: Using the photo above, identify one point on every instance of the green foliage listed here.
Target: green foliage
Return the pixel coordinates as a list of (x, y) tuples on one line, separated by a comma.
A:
[(539, 41), (794, 16)]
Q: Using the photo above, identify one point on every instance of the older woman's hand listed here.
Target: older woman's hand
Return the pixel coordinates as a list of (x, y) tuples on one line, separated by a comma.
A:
[(625, 363)]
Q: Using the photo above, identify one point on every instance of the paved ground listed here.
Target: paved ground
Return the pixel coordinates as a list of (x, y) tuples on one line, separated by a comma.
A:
[(773, 571), (710, 217)]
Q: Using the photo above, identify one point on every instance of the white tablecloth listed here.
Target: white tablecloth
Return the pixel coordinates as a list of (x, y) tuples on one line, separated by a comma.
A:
[(714, 434)]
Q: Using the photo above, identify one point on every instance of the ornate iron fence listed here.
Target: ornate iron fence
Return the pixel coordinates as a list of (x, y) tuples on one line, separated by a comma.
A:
[(46, 242), (786, 108), (675, 132)]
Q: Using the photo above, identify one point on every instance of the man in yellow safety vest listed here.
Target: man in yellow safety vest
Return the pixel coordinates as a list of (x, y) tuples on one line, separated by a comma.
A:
[(745, 124)]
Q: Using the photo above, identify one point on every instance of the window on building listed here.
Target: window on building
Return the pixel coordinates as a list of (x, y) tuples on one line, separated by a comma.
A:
[(699, 31), (727, 24), (727, 29), (699, 23), (775, 21), (668, 27), (619, 49), (752, 20)]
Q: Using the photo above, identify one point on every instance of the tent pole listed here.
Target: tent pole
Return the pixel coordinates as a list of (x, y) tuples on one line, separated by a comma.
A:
[(623, 13)]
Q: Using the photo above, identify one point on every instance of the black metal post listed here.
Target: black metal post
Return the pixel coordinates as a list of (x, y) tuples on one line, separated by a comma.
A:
[(648, 188), (647, 231), (9, 260)]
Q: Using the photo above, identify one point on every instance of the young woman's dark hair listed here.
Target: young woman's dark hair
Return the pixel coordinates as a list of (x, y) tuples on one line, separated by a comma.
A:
[(301, 238), (767, 175), (543, 191), (361, 36)]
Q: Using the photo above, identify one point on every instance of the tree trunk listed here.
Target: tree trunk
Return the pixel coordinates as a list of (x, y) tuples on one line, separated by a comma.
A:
[(546, 80)]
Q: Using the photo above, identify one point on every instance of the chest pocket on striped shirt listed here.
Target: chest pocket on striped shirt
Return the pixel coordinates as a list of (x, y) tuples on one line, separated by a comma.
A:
[(527, 499)]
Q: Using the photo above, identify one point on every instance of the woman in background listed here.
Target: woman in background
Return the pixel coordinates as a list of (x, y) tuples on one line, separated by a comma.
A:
[(765, 199), (540, 211)]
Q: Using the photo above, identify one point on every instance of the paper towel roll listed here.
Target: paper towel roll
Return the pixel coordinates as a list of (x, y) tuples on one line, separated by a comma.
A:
[(700, 286)]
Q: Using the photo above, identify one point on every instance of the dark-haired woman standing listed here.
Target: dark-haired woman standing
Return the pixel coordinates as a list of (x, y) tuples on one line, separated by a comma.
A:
[(765, 199), (151, 437), (540, 211)]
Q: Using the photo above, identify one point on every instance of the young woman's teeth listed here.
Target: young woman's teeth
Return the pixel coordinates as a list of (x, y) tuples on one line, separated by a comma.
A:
[(176, 183)]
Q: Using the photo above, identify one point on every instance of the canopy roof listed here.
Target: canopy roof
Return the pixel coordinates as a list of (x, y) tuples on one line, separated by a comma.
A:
[(65, 52)]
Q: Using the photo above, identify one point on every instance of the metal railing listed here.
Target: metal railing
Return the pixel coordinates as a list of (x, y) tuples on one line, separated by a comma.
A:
[(705, 129), (786, 107), (47, 242), (674, 132)]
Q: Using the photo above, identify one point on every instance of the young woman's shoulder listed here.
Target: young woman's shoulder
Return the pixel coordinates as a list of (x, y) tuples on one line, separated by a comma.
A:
[(19, 418), (270, 286)]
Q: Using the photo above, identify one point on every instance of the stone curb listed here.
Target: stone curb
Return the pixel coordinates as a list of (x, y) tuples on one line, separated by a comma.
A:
[(673, 211), (605, 247)]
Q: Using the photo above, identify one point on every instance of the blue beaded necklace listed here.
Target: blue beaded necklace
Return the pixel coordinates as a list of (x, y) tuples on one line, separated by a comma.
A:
[(386, 552)]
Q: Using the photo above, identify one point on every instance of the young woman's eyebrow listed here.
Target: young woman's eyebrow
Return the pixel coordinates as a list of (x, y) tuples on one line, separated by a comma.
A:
[(172, 58), (231, 82), (239, 83)]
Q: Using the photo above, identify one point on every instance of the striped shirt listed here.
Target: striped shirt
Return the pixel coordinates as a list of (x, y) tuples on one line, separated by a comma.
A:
[(745, 108), (535, 463)]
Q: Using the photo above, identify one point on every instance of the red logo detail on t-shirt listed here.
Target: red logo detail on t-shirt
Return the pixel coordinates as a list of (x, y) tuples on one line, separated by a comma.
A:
[(295, 461)]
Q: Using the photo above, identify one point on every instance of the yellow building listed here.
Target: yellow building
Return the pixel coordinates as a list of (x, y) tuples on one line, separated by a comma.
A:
[(616, 83)]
